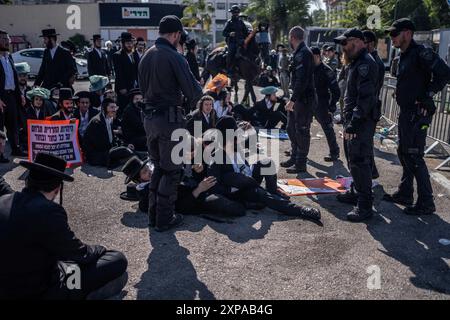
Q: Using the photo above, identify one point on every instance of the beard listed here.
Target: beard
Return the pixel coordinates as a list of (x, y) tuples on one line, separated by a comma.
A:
[(49, 45), (3, 49)]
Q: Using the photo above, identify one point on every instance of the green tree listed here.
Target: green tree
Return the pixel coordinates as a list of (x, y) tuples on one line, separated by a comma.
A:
[(197, 14), (80, 41), (318, 18), (280, 14), (439, 13)]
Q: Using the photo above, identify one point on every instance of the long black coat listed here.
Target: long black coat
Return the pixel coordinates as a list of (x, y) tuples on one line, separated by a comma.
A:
[(34, 235), (126, 71), (98, 65), (132, 124), (96, 143), (57, 70)]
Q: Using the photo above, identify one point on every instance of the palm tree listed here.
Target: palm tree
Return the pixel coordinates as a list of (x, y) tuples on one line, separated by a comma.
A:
[(197, 14)]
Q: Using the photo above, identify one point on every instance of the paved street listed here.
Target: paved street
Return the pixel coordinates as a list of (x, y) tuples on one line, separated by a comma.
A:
[(265, 255)]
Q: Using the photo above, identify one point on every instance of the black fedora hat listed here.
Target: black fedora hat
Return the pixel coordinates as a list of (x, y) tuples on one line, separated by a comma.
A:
[(47, 167), (131, 194), (132, 168), (126, 36), (83, 94), (96, 37), (134, 92), (66, 94), (49, 33)]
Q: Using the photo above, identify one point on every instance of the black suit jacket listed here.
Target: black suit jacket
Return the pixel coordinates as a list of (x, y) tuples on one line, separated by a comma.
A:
[(132, 124), (34, 235), (197, 115), (263, 113), (98, 65), (3, 79), (43, 114), (96, 143), (126, 71), (227, 178), (92, 113), (57, 70), (59, 115)]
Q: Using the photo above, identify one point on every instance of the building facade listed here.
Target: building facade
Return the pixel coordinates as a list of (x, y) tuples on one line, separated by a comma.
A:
[(335, 10), (26, 18)]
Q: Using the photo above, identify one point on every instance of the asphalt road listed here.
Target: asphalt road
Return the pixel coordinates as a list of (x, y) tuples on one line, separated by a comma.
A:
[(265, 255)]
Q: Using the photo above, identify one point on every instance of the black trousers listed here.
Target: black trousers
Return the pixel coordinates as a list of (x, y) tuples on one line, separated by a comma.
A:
[(10, 119), (359, 152), (270, 176), (411, 152), (299, 130), (249, 90), (166, 174), (272, 201), (109, 267), (326, 122)]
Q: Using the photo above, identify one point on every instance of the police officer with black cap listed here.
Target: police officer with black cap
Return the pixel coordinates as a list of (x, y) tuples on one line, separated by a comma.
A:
[(301, 106), (328, 94), (164, 78), (359, 120), (235, 32), (421, 73), (370, 39)]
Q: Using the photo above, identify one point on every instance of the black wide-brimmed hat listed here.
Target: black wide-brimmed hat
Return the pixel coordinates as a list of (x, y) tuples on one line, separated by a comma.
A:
[(134, 92), (49, 33), (66, 94), (226, 123), (191, 44), (132, 168), (47, 167), (126, 36), (83, 94), (69, 45), (131, 194), (96, 37)]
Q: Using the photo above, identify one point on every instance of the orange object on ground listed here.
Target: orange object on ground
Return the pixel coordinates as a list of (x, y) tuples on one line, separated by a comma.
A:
[(303, 187)]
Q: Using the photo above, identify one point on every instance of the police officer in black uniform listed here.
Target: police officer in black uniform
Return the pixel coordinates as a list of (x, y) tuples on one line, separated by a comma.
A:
[(360, 103), (370, 39), (301, 106), (164, 78), (421, 73), (235, 32), (328, 93)]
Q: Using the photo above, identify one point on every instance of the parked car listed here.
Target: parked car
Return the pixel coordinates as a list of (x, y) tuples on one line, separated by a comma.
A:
[(33, 57)]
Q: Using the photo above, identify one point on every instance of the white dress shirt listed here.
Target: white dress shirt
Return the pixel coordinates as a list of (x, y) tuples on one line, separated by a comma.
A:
[(53, 51), (220, 109), (108, 127), (84, 121)]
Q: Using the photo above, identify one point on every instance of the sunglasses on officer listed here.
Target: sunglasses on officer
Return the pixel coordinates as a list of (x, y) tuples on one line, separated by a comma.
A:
[(346, 41), (395, 33)]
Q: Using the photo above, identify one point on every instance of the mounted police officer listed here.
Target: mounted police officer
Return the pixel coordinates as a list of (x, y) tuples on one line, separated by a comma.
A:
[(360, 104), (301, 106), (421, 73), (164, 78), (235, 32), (328, 93)]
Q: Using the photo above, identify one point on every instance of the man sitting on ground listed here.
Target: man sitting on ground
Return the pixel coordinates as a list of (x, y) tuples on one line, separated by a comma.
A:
[(39, 250)]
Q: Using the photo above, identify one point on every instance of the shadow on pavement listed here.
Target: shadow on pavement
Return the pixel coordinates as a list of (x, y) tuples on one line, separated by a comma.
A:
[(99, 172), (170, 273)]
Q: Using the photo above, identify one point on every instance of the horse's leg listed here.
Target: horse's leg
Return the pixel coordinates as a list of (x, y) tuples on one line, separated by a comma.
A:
[(236, 89)]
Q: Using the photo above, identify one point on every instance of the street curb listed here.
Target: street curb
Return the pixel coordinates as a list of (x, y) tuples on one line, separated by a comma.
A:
[(443, 181)]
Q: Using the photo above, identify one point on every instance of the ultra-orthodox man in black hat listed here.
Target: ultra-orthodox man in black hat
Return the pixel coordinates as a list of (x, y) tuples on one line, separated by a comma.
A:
[(97, 59), (38, 245), (57, 65)]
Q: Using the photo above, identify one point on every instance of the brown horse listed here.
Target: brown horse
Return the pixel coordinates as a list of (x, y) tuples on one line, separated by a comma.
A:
[(247, 66)]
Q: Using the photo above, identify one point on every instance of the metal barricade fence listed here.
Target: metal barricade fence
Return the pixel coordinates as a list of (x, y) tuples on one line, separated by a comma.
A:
[(439, 130)]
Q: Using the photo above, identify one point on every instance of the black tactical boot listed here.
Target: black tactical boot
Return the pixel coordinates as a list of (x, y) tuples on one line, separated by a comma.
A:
[(298, 168), (349, 197), (399, 199), (418, 210), (331, 158), (359, 214), (287, 164), (176, 220)]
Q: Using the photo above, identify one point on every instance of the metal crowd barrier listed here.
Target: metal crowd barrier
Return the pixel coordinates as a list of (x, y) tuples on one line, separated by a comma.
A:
[(439, 131)]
